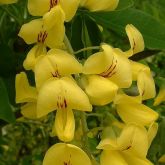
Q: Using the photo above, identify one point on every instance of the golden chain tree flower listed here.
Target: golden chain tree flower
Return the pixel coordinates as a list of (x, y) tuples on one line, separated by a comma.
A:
[(131, 110), (145, 81), (95, 5), (26, 94), (113, 70), (51, 37), (66, 154), (135, 39), (44, 36), (8, 1), (56, 63), (63, 85), (45, 8), (62, 95), (127, 148)]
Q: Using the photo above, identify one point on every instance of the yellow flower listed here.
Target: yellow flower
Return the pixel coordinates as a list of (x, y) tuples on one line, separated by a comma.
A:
[(131, 110), (7, 1), (160, 97), (145, 81), (42, 35), (106, 72), (51, 37), (135, 39), (66, 154), (128, 148), (95, 5), (26, 94), (45, 8), (62, 95), (117, 67), (57, 63)]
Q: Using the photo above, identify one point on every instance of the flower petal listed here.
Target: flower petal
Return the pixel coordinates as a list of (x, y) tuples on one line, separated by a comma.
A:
[(95, 5), (32, 57), (160, 97), (122, 74), (152, 131), (109, 139), (146, 85), (29, 33), (29, 110), (38, 7), (136, 113), (62, 153), (55, 36), (56, 63), (24, 92), (122, 98), (133, 160), (70, 7), (108, 144), (54, 18), (63, 91), (100, 90), (137, 68), (64, 125), (112, 158), (132, 138), (135, 39), (96, 63)]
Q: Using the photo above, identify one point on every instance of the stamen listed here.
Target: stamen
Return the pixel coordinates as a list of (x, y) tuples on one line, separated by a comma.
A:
[(42, 37), (68, 163), (65, 103), (61, 102), (53, 3), (56, 74)]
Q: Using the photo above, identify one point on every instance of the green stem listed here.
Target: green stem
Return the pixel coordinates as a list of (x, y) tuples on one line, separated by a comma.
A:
[(68, 45), (84, 122), (95, 114), (85, 131), (87, 48)]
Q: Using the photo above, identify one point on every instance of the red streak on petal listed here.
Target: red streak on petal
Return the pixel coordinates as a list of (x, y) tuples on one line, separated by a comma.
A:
[(110, 71)]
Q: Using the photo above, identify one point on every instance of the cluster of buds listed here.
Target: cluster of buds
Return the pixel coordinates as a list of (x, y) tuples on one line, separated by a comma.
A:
[(64, 84)]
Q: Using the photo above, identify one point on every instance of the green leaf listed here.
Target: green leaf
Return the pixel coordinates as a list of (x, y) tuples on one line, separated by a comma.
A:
[(152, 31), (93, 32), (6, 113), (123, 4), (76, 32)]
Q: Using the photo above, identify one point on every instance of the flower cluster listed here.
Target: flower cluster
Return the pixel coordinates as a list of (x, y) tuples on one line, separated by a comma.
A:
[(64, 84)]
